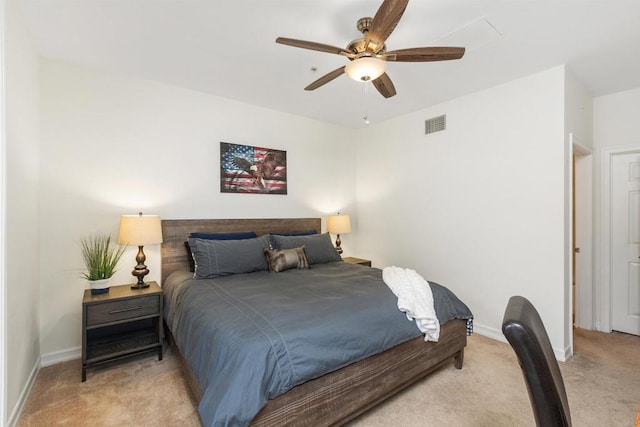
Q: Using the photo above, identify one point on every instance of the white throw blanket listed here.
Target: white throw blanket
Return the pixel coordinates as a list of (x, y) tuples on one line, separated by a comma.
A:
[(414, 298)]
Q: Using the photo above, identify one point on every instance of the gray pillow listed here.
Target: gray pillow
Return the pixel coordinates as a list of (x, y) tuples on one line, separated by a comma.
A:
[(284, 259), (214, 258), (317, 247)]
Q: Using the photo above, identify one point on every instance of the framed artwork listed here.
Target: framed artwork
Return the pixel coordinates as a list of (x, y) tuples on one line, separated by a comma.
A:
[(254, 170)]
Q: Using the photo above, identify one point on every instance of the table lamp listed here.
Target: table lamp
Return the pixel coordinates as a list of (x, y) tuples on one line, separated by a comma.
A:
[(338, 224), (139, 230)]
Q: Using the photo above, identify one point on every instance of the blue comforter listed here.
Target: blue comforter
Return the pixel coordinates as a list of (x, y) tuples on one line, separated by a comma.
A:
[(251, 337)]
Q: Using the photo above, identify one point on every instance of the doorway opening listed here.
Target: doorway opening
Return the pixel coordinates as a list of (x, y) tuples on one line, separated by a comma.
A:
[(582, 231)]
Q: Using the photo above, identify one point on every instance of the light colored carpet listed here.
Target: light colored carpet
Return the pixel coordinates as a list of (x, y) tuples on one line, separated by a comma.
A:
[(602, 381), (141, 391)]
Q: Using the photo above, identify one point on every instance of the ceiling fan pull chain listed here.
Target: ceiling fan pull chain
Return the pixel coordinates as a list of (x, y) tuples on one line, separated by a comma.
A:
[(366, 104)]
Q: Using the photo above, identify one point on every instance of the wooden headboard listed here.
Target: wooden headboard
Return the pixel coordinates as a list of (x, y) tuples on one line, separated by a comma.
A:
[(176, 231)]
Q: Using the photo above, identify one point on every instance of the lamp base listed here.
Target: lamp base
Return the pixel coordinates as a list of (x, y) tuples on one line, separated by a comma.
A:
[(140, 270), (338, 243), (139, 285), (140, 273)]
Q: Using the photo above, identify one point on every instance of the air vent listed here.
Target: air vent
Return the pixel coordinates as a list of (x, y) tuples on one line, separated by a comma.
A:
[(435, 124)]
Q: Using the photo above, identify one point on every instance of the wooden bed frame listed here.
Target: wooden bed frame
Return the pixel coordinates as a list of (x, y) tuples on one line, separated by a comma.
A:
[(339, 396)]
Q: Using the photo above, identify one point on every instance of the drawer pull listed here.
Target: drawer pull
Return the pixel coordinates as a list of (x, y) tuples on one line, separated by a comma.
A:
[(124, 309)]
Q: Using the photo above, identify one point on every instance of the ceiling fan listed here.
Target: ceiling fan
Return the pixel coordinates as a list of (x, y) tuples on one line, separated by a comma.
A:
[(368, 55)]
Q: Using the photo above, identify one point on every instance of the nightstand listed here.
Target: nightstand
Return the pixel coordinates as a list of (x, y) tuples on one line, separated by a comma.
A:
[(352, 260), (120, 323)]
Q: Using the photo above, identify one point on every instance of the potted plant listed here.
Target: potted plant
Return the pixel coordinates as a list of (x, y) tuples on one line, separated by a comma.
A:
[(100, 258)]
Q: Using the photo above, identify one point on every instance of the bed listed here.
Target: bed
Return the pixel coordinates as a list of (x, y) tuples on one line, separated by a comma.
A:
[(331, 398)]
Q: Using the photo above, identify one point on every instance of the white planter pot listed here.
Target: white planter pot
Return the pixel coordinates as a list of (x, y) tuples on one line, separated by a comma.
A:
[(99, 286)]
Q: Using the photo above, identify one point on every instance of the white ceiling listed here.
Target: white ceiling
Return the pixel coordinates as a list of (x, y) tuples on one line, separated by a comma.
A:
[(227, 47)]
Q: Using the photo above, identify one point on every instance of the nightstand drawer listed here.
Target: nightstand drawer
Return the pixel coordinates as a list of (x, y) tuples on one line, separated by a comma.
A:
[(121, 310)]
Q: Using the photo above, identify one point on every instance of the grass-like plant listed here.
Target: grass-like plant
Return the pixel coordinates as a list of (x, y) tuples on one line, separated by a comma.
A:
[(100, 256)]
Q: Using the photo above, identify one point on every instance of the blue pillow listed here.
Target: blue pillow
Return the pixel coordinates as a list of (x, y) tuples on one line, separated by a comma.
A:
[(215, 258), (296, 233), (318, 247), (238, 235)]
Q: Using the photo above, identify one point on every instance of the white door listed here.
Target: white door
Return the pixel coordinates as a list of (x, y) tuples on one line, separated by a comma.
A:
[(625, 242)]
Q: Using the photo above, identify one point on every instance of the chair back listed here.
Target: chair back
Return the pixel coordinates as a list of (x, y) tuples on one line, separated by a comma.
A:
[(525, 331)]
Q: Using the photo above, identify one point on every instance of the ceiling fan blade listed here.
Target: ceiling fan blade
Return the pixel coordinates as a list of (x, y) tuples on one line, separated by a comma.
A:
[(326, 78), (426, 54), (384, 22), (315, 46), (385, 86)]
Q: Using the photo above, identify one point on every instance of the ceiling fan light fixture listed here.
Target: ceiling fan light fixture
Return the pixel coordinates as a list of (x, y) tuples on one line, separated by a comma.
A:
[(365, 69)]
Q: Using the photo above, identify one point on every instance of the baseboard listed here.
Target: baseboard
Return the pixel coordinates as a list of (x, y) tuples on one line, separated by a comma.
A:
[(597, 327), (60, 356), (17, 410), (489, 332), (44, 360), (561, 355)]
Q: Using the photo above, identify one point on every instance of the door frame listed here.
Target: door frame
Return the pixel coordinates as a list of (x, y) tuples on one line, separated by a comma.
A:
[(583, 184), (605, 227)]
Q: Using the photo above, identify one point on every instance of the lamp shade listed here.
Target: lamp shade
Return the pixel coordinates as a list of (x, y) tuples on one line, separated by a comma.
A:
[(140, 230), (339, 224), (365, 69)]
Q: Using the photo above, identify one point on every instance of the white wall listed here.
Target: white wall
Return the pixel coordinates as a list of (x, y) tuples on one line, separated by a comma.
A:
[(614, 127), (479, 207), (22, 237), (112, 145), (578, 113), (616, 119)]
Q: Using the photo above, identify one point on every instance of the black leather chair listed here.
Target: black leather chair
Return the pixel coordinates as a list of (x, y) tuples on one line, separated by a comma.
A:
[(526, 333)]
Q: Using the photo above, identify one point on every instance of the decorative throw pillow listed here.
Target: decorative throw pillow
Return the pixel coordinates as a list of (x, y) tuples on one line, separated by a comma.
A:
[(284, 259), (318, 248), (192, 263), (216, 258)]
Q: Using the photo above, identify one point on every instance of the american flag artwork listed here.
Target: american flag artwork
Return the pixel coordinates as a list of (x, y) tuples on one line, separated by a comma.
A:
[(248, 169)]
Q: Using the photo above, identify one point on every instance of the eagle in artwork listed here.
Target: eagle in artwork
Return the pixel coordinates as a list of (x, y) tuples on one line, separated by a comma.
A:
[(248, 169), (261, 169)]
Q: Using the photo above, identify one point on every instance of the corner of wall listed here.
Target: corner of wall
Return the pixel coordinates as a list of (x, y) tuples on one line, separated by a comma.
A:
[(22, 399), (56, 357), (21, 282), (3, 274)]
